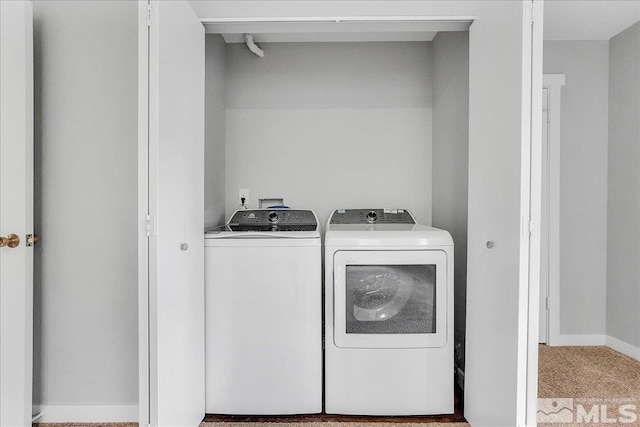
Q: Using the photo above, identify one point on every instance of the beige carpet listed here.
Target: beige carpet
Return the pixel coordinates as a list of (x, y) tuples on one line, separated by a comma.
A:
[(589, 376)]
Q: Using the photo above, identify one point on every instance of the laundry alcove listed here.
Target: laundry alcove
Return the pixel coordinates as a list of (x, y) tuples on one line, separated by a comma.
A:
[(366, 119), (337, 120)]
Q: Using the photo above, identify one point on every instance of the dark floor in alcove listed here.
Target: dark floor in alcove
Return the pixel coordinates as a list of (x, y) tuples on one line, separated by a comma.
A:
[(456, 417)]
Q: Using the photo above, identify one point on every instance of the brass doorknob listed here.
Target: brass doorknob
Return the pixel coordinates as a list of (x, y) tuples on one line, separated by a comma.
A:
[(11, 241)]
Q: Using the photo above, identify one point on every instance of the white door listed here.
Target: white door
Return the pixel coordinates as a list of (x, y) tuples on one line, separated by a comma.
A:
[(544, 224), (502, 289), (16, 212), (172, 197)]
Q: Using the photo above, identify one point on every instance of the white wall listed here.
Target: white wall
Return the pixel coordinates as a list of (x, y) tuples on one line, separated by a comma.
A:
[(623, 269), (583, 182), (451, 159), (330, 125), (86, 170), (214, 171)]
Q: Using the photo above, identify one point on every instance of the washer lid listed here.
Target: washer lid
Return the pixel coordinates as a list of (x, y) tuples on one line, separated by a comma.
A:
[(268, 223)]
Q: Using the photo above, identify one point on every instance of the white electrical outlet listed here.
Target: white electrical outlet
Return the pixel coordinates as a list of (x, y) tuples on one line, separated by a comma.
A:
[(243, 193)]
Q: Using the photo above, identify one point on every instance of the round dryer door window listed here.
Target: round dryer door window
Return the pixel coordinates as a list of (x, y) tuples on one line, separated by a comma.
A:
[(389, 299)]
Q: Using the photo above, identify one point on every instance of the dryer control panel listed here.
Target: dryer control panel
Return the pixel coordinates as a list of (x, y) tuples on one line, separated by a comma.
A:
[(273, 220), (372, 216)]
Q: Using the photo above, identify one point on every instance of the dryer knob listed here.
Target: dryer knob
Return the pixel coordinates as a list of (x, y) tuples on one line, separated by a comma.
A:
[(372, 216), (273, 216)]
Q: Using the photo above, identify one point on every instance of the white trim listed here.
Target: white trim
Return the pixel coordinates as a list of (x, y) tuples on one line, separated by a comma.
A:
[(143, 211), (553, 83), (88, 414), (297, 25), (623, 347), (570, 340), (544, 222), (337, 19), (531, 187)]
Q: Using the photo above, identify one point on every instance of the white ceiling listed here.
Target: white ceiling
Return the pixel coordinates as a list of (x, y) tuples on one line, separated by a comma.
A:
[(588, 19)]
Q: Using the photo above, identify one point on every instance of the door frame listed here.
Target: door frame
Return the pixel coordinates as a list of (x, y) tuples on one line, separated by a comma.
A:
[(531, 210), (145, 229), (553, 83), (529, 253), (543, 333)]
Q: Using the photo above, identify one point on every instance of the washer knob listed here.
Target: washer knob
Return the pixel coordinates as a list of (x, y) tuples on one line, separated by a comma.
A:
[(273, 216), (372, 216)]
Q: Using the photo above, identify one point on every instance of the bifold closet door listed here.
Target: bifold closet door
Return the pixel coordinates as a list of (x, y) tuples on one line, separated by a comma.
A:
[(505, 48), (171, 178)]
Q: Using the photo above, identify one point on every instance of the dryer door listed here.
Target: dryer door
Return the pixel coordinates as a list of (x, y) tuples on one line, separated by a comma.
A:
[(390, 299)]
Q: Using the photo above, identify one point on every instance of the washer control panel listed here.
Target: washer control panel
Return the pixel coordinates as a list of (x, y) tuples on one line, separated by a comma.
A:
[(372, 216), (273, 220)]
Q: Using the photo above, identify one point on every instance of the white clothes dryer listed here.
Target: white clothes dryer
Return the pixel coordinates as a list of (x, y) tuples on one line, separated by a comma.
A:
[(263, 311), (388, 315)]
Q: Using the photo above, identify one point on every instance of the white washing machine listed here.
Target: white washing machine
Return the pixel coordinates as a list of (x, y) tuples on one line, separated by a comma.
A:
[(388, 315), (263, 301)]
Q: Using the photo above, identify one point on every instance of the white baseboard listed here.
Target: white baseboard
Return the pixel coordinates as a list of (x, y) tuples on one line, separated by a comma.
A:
[(575, 340), (614, 343), (87, 414), (623, 347)]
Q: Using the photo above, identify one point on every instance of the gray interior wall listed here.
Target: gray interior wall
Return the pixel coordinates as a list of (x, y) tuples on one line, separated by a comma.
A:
[(451, 159), (623, 226), (86, 170), (214, 167), (583, 182), (330, 125)]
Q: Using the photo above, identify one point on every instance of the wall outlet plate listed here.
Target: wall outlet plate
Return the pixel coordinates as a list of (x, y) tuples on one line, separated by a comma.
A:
[(243, 193)]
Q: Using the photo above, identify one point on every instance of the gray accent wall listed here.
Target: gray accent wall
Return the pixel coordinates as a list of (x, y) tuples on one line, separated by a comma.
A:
[(623, 207), (583, 182), (451, 159), (330, 125), (214, 164), (86, 340)]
